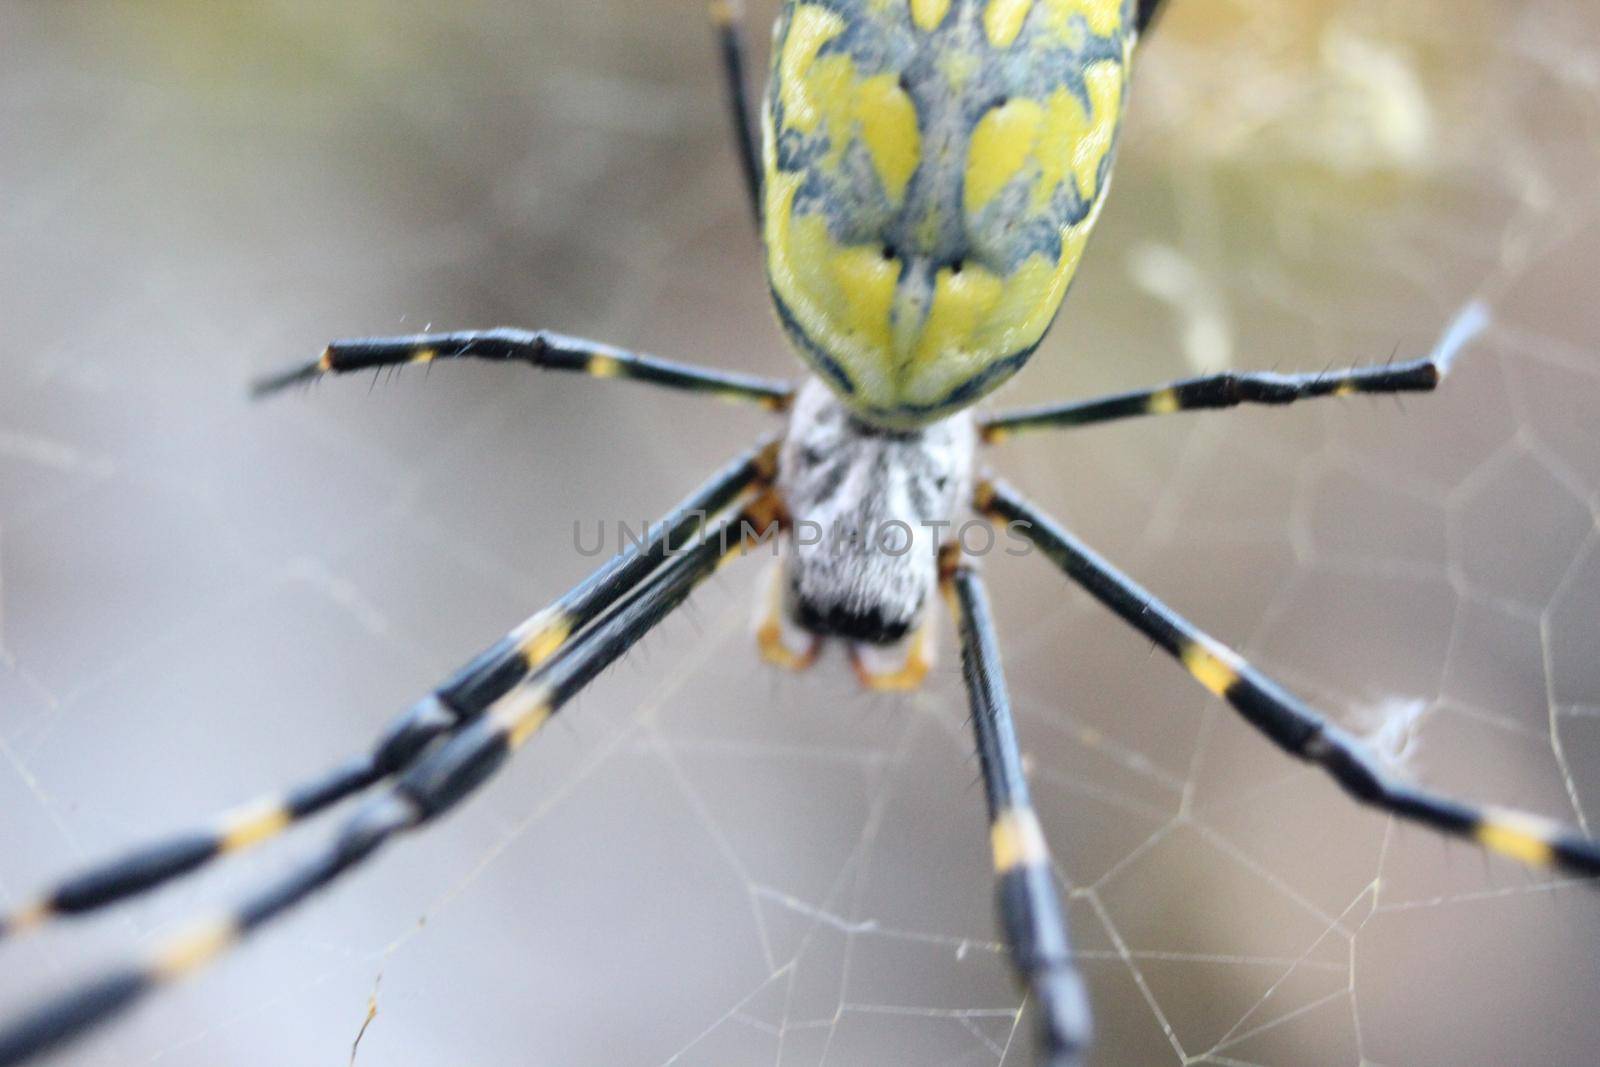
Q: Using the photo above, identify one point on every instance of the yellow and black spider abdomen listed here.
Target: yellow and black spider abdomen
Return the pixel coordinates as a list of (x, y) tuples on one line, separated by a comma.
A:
[(932, 171)]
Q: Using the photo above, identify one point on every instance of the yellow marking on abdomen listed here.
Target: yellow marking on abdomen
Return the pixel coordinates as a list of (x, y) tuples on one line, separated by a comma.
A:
[(1214, 667), (810, 28), (887, 123), (1002, 142), (1028, 300), (1073, 141), (839, 297), (1003, 19), (193, 949), (927, 14), (862, 284), (1104, 17), (425, 355), (963, 303), (1018, 840), (1526, 838), (604, 366), (829, 94), (252, 825)]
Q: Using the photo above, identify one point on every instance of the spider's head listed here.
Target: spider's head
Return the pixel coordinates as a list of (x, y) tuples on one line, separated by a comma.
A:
[(870, 509), (931, 180)]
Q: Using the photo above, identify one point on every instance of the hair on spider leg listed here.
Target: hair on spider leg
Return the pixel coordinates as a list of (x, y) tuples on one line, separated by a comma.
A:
[(691, 616), (271, 384)]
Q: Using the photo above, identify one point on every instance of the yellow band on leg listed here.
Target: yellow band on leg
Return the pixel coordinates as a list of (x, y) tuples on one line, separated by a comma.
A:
[(1212, 665), (521, 712), (252, 825), (543, 637), (1523, 837), (1018, 840), (194, 948)]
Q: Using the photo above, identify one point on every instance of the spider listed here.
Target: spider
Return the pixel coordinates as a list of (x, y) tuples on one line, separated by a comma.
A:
[(928, 175)]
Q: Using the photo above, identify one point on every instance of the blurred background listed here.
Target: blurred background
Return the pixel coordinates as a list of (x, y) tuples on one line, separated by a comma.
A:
[(702, 861)]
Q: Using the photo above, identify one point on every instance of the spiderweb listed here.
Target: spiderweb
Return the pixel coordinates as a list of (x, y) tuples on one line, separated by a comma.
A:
[(703, 862)]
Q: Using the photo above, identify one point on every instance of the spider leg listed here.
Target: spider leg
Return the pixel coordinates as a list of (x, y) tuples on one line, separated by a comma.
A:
[(461, 699), (1148, 10), (898, 668), (443, 777), (1232, 388), (781, 642), (537, 348), (1287, 721), (1030, 908), (727, 18)]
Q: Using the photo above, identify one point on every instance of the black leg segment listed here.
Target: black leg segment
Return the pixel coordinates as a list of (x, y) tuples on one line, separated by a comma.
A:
[(1148, 10), (442, 777), (1287, 721), (727, 18), (1232, 388), (464, 697), (536, 348), (1030, 908)]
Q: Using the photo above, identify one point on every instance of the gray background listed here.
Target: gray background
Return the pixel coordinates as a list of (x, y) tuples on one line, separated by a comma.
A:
[(704, 862)]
